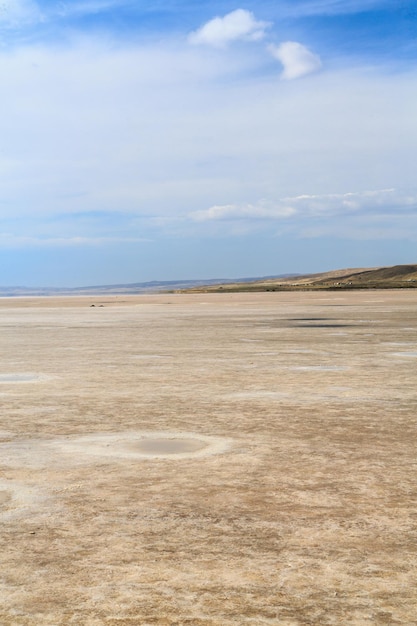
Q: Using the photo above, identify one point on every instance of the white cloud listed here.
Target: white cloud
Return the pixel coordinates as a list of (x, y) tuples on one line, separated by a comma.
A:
[(220, 31), (296, 59)]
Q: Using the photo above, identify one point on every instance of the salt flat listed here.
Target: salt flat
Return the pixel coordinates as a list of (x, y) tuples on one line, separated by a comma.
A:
[(209, 459)]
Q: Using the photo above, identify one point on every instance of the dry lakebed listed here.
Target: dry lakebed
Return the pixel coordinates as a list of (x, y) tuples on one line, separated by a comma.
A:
[(209, 459)]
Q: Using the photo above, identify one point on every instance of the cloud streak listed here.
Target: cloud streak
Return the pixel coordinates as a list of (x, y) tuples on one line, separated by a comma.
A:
[(8, 240)]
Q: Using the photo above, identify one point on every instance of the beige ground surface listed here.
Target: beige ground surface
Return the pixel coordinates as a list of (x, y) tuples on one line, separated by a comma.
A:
[(209, 460)]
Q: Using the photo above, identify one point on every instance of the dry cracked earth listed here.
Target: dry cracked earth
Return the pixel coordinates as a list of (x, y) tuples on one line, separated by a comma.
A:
[(209, 460)]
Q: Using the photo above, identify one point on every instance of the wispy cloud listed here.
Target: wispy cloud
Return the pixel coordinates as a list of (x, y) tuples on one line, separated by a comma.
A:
[(376, 202), (87, 7), (300, 8), (17, 13), (9, 240), (237, 25), (296, 59), (261, 210)]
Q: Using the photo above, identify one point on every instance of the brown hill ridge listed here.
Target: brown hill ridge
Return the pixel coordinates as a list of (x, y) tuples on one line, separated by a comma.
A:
[(395, 277)]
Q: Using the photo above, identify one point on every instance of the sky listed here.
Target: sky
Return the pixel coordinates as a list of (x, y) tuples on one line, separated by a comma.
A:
[(183, 139)]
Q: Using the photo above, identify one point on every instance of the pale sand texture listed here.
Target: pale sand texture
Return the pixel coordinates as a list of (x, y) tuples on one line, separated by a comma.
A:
[(209, 460)]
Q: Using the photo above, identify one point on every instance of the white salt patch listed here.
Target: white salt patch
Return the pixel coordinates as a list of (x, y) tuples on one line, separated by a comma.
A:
[(19, 378), (406, 354), (299, 351), (6, 434), (249, 395), (151, 356), (319, 368), (271, 330), (373, 321), (18, 499), (251, 340)]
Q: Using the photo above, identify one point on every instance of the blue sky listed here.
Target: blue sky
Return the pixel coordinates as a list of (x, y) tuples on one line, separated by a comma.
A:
[(177, 139)]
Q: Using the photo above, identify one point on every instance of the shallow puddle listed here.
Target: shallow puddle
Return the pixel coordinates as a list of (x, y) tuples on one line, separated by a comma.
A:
[(4, 497), (164, 445), (139, 445)]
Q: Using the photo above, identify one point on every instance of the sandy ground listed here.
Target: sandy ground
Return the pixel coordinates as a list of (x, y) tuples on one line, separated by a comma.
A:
[(209, 460)]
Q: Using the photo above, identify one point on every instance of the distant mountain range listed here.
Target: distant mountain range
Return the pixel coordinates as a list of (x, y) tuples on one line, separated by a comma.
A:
[(131, 288), (394, 277)]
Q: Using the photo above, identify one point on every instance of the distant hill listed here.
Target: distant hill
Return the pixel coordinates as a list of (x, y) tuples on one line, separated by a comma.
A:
[(395, 277), (131, 288)]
